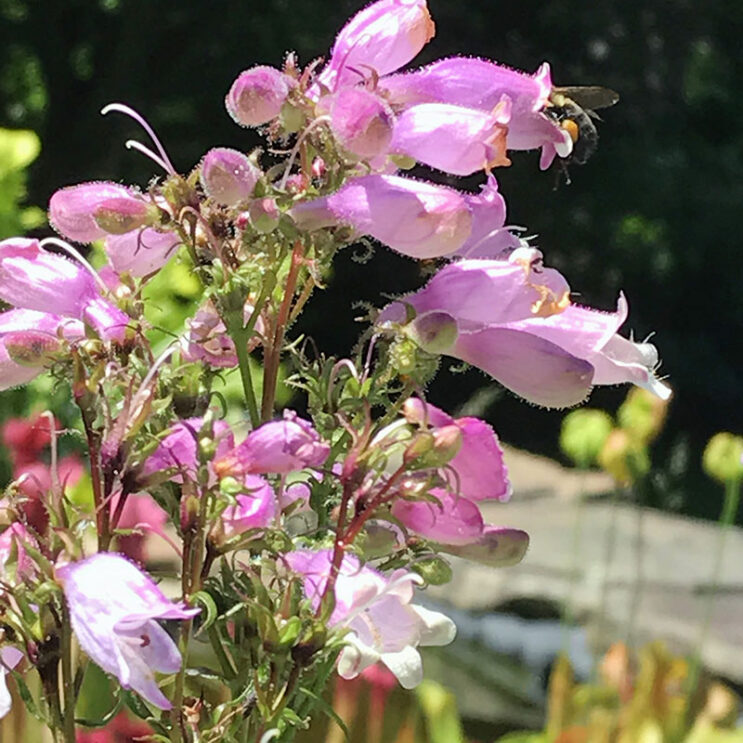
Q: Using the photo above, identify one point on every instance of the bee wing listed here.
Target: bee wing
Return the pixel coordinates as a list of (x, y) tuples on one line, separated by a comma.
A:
[(589, 96)]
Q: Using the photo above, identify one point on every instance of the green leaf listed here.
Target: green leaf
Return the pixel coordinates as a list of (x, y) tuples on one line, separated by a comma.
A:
[(203, 598)]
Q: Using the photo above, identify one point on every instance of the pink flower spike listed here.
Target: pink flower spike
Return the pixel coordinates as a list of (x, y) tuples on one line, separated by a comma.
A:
[(415, 218), (228, 176), (140, 253), (278, 447), (361, 122), (478, 470), (72, 210), (497, 547), (455, 521), (452, 138), (257, 95), (255, 509), (380, 39), (113, 607), (384, 625)]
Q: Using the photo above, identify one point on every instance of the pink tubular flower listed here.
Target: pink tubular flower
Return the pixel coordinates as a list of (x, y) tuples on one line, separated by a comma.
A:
[(34, 279), (256, 508), (380, 39), (384, 625), (482, 84), (179, 449), (529, 338), (228, 176), (478, 470), (415, 218), (277, 447), (257, 95), (452, 138), (31, 337), (113, 607), (361, 121)]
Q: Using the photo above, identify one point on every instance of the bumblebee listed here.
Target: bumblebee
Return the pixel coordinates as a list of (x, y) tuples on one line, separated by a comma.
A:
[(574, 109)]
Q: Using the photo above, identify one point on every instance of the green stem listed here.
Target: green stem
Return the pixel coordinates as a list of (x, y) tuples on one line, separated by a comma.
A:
[(241, 335), (726, 520), (68, 680), (240, 340), (273, 357)]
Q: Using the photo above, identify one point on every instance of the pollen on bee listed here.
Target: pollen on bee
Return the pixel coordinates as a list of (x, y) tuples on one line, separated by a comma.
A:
[(571, 128)]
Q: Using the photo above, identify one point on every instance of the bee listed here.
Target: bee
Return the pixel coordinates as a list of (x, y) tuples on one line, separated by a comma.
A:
[(574, 109)]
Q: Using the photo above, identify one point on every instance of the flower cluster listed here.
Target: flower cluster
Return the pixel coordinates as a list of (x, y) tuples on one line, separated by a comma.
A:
[(297, 545)]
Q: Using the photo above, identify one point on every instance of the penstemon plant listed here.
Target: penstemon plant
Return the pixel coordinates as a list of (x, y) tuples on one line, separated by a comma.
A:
[(300, 545)]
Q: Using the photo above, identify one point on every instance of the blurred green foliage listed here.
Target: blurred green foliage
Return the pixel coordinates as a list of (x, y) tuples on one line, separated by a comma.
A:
[(642, 702)]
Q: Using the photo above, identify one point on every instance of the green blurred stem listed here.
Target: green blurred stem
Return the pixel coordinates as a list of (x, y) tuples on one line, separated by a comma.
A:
[(726, 520), (68, 679), (274, 348)]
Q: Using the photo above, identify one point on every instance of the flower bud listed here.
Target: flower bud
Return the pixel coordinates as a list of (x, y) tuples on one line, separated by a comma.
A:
[(228, 176), (73, 210), (723, 457), (583, 435), (361, 122), (447, 441), (623, 459), (263, 215), (257, 95)]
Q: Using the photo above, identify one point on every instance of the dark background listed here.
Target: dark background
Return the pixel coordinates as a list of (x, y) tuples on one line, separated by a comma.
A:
[(654, 213)]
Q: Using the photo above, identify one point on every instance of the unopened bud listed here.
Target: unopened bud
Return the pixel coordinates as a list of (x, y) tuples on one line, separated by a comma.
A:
[(263, 215), (121, 215), (421, 445), (435, 570), (623, 459), (228, 176), (447, 443), (583, 435), (31, 348), (723, 457), (318, 167), (257, 95), (296, 184)]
